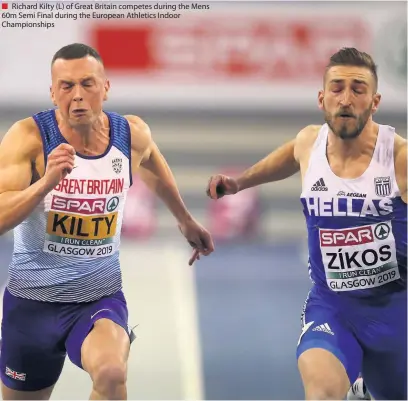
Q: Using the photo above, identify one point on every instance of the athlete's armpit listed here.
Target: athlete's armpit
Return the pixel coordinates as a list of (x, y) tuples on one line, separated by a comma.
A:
[(18, 152), (401, 166)]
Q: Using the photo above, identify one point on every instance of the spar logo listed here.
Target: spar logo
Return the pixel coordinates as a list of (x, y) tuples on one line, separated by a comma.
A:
[(382, 231), (78, 205), (84, 206), (347, 237), (354, 236), (112, 204)]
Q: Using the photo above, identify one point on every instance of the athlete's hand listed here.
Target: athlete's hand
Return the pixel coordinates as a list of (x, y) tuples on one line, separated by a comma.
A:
[(220, 185), (198, 237), (60, 163)]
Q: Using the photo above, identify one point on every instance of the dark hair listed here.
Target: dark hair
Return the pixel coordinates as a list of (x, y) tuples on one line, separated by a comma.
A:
[(353, 57), (75, 51)]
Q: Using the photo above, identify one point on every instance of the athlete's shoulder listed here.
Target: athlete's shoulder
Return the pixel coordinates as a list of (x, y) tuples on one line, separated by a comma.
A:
[(400, 142), (308, 134), (135, 121), (141, 136), (305, 139), (26, 125), (23, 135), (400, 153), (400, 149)]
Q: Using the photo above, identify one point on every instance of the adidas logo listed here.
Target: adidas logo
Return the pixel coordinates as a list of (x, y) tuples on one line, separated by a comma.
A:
[(319, 186), (358, 391), (324, 327)]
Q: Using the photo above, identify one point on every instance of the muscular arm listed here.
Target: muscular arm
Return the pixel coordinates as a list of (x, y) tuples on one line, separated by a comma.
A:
[(154, 170), (401, 166), (18, 152), (280, 164)]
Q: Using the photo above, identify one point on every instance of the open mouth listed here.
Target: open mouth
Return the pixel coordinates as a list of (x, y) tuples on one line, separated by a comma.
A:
[(346, 115), (78, 112)]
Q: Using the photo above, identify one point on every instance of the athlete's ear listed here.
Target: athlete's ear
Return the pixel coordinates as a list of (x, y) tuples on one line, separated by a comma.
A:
[(376, 102), (52, 95), (320, 99), (106, 89)]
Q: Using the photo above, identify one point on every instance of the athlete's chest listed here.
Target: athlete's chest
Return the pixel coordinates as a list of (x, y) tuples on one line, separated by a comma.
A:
[(369, 196), (349, 168), (97, 176), (95, 190)]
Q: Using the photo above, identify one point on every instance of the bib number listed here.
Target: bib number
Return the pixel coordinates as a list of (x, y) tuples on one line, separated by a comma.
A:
[(360, 257)]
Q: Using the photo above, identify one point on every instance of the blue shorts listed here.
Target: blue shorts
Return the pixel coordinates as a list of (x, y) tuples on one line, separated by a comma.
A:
[(37, 336), (367, 336)]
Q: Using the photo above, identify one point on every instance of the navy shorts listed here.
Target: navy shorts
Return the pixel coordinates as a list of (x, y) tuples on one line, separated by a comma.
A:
[(37, 336), (368, 336)]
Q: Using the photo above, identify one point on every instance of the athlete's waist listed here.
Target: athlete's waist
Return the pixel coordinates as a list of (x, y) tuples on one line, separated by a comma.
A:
[(43, 269), (66, 294), (57, 286), (37, 259), (395, 291)]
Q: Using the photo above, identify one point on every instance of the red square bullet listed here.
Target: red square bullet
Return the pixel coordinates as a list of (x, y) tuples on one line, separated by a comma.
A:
[(4, 6)]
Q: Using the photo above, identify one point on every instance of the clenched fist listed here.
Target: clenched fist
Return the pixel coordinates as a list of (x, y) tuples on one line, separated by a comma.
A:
[(220, 185), (60, 163)]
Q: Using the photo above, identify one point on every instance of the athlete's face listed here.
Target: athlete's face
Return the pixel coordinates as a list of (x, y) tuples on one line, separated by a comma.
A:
[(349, 100), (79, 88)]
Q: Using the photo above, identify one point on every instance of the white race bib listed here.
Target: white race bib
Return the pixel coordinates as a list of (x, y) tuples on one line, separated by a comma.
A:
[(360, 257), (82, 226)]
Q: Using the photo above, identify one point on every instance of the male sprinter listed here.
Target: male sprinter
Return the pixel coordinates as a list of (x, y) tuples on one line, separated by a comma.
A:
[(354, 194), (64, 175)]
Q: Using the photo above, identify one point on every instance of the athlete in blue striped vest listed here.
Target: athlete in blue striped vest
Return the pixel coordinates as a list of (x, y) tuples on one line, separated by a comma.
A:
[(354, 195), (64, 176)]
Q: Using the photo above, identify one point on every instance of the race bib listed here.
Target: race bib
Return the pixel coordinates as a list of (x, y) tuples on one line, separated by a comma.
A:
[(360, 257), (81, 227)]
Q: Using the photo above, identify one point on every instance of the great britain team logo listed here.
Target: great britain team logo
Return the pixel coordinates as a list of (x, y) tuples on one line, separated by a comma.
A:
[(117, 165), (382, 186)]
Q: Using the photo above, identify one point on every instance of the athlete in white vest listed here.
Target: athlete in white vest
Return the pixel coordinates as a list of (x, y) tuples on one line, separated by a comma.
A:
[(354, 194), (64, 176)]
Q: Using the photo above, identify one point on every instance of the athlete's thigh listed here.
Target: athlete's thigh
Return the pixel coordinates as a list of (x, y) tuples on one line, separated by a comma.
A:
[(322, 328), (385, 374), (32, 353), (385, 352), (10, 394), (112, 307)]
